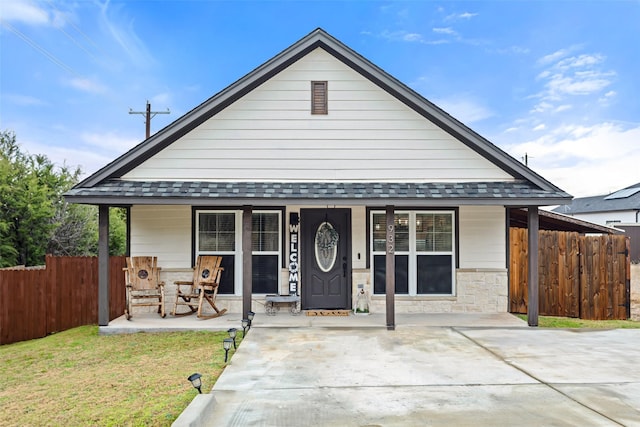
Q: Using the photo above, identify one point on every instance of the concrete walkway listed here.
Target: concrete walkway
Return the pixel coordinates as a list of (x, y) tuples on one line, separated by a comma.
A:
[(433, 370)]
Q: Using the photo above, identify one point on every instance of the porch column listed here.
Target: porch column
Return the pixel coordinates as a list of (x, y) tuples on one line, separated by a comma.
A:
[(247, 273), (390, 289), (103, 265), (532, 278)]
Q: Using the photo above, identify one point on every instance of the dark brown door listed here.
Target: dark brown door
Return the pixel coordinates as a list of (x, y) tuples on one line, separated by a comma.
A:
[(326, 258)]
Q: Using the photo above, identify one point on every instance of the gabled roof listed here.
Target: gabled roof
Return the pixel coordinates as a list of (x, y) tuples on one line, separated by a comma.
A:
[(625, 199), (319, 39)]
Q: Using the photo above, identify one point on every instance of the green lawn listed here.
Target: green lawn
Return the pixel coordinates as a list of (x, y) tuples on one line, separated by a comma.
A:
[(78, 378), (568, 322)]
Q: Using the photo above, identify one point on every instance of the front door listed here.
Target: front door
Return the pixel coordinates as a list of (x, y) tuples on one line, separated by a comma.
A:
[(326, 258)]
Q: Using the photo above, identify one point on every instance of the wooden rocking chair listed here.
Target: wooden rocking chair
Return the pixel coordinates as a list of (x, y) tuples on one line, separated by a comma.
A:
[(204, 286), (143, 285)]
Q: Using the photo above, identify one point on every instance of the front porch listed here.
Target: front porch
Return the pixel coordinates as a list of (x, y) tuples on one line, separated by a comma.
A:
[(151, 322)]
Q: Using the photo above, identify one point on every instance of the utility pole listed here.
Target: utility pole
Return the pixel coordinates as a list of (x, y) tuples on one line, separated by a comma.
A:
[(149, 115)]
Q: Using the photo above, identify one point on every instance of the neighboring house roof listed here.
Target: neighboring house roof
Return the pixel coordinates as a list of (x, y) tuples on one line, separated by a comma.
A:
[(626, 199), (528, 189), (558, 222)]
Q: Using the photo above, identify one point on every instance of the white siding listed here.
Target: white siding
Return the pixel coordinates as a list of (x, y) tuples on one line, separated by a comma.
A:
[(162, 231), (624, 217), (359, 237), (270, 134), (482, 237)]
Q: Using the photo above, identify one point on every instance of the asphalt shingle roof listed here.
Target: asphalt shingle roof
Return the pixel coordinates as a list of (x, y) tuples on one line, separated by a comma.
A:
[(230, 191), (601, 203)]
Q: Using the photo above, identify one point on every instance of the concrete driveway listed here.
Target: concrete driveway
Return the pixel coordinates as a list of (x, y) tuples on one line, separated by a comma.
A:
[(422, 375)]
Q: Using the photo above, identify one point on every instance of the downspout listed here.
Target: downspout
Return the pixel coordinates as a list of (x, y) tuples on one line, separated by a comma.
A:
[(637, 212)]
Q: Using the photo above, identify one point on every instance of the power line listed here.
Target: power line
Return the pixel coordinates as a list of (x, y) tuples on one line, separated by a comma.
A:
[(40, 49)]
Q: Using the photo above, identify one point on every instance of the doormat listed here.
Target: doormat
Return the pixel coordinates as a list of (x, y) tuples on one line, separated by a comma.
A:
[(328, 312)]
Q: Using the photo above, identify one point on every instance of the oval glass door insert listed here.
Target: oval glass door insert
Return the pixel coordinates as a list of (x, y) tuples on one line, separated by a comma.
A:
[(326, 246)]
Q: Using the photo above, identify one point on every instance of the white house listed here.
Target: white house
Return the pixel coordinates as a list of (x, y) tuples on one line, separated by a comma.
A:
[(619, 207), (331, 174)]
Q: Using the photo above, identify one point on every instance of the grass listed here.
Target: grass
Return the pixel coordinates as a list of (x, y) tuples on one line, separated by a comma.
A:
[(78, 378), (568, 322)]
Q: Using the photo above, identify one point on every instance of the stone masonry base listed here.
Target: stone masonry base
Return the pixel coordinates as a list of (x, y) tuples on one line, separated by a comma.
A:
[(477, 291)]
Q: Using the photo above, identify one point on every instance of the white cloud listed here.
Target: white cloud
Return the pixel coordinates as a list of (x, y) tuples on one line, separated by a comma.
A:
[(447, 30), (584, 83), (412, 37), (583, 60), (87, 85), (555, 56), (405, 36), (124, 34), (161, 100), (568, 75), (23, 100), (464, 108), (585, 160), (89, 160), (561, 108), (540, 127), (109, 141), (459, 16), (24, 11), (541, 107)]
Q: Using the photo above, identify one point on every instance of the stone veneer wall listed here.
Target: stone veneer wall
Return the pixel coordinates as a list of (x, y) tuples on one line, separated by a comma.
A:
[(477, 291)]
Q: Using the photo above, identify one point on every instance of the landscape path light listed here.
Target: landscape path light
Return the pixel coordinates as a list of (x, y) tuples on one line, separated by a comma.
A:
[(245, 325), (196, 381), (250, 316), (232, 334), (226, 344)]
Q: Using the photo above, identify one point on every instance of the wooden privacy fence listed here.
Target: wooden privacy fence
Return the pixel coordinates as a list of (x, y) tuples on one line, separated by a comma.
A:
[(38, 301), (579, 276)]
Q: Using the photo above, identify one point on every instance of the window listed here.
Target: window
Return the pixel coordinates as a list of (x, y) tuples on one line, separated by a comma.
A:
[(424, 252), (319, 103), (265, 242), (220, 233), (217, 235)]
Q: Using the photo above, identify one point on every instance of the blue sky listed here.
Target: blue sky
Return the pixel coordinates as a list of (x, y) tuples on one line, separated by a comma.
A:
[(556, 80)]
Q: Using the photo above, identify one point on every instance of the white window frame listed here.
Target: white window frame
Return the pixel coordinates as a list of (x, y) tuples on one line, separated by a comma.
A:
[(413, 253), (279, 251), (237, 253)]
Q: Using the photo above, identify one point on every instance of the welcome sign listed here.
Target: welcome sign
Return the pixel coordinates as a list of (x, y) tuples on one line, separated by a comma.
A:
[(294, 226)]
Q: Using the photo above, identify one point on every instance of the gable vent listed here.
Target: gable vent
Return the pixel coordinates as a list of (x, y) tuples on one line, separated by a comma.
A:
[(319, 98)]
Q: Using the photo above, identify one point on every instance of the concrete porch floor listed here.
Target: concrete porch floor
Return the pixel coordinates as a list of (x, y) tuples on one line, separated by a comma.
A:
[(151, 322)]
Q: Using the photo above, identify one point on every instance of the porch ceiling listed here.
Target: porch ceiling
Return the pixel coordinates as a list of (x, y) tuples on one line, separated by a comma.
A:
[(201, 193)]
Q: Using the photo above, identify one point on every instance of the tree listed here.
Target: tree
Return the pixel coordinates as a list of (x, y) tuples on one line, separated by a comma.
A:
[(35, 219)]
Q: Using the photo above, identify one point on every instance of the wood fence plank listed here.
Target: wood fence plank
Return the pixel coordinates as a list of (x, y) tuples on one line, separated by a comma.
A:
[(63, 295), (579, 276)]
